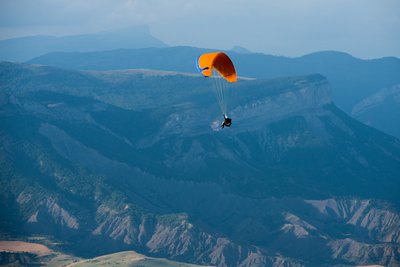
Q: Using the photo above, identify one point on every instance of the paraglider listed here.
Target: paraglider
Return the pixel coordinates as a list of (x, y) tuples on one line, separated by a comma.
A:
[(220, 68), (227, 122)]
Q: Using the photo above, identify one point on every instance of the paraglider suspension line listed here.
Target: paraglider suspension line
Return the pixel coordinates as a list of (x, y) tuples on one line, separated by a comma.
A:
[(220, 87)]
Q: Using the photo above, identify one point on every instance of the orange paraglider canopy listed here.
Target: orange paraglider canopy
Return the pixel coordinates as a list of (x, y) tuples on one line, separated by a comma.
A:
[(218, 61)]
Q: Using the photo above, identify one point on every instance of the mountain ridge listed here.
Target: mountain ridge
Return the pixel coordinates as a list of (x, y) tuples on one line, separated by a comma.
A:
[(380, 109), (123, 163), (24, 48), (344, 72)]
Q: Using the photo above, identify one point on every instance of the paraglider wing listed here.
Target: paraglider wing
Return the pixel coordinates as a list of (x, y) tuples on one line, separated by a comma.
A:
[(218, 61), (220, 66)]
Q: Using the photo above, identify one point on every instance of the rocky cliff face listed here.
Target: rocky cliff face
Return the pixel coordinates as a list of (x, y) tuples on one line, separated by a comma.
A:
[(312, 92), (380, 110), (112, 161)]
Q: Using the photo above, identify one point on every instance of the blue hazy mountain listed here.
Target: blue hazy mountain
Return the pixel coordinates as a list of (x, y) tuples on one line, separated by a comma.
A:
[(240, 49), (381, 110), (25, 48), (352, 79), (135, 159)]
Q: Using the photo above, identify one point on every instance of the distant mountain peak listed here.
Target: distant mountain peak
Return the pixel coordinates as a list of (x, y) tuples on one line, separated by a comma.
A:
[(240, 50), (329, 54), (25, 48)]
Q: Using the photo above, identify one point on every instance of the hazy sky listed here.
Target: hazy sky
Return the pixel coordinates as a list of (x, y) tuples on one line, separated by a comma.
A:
[(363, 28)]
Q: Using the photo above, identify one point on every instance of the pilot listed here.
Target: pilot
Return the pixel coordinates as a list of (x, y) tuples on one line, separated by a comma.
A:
[(227, 122)]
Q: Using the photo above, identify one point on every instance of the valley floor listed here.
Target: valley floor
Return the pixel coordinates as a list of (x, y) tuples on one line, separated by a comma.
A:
[(21, 253)]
